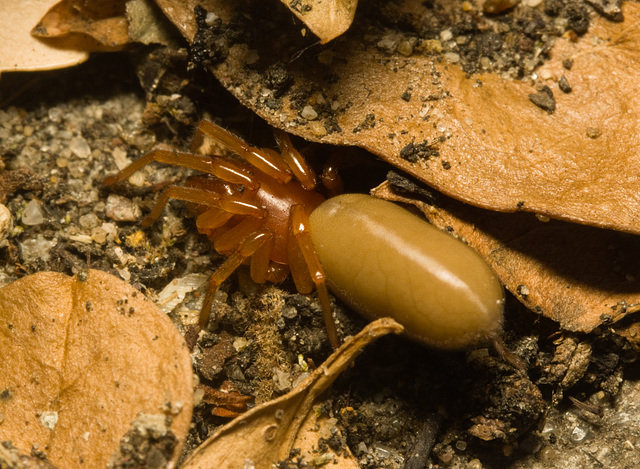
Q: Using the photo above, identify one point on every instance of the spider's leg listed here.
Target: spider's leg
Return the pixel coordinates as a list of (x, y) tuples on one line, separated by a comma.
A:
[(211, 219), (299, 167), (300, 229), (230, 204), (264, 161), (230, 239), (260, 262), (218, 166), (249, 246)]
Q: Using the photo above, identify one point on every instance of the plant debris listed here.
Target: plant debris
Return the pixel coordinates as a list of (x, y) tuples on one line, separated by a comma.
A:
[(460, 84), (268, 432), (84, 357)]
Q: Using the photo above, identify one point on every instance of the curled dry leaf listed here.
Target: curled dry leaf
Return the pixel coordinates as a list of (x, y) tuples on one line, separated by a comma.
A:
[(267, 433), (103, 21), (326, 19), (577, 275), (83, 358), (21, 51), (479, 139)]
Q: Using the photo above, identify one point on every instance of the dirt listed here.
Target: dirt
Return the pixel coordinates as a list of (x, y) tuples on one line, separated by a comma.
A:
[(401, 405)]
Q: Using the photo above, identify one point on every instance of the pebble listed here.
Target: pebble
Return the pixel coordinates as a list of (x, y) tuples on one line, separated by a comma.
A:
[(120, 208), (80, 147), (37, 248), (32, 213), (452, 57), (88, 221), (5, 222), (309, 113)]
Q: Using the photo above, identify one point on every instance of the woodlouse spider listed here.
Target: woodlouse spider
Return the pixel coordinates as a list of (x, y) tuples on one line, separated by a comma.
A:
[(250, 209), (379, 258)]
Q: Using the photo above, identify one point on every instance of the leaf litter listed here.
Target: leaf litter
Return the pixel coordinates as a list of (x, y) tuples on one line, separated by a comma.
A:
[(389, 86), (267, 433), (85, 359), (424, 149)]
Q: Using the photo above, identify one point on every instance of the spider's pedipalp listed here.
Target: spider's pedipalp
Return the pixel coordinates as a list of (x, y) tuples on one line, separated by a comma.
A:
[(261, 260)]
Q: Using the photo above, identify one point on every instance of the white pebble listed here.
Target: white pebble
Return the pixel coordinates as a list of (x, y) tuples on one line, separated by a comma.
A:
[(120, 208), (49, 419), (446, 35), (32, 214), (309, 113), (210, 18), (452, 57), (79, 147), (88, 221)]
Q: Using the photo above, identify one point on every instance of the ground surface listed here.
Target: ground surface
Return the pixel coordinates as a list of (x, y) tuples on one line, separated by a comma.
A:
[(62, 132)]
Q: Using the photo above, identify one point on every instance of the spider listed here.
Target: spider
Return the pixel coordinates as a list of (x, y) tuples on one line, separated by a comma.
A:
[(380, 259), (252, 209)]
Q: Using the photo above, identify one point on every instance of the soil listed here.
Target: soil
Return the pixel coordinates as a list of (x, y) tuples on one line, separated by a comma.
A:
[(400, 405)]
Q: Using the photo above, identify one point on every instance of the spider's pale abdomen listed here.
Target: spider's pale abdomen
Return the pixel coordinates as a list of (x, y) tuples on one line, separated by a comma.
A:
[(384, 261)]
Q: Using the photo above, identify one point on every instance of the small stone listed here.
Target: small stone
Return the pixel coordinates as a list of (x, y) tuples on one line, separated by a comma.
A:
[(452, 57), (49, 419), (389, 42), (88, 221), (446, 35), (593, 133), (120, 208), (309, 113), (37, 248), (405, 47), (5, 223), (99, 235), (32, 214), (544, 99), (79, 147), (564, 85)]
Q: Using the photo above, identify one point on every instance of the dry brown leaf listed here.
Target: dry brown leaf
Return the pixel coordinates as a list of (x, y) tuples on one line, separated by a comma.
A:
[(497, 150), (103, 21), (327, 19), (577, 275), (266, 433), (83, 356), (21, 51)]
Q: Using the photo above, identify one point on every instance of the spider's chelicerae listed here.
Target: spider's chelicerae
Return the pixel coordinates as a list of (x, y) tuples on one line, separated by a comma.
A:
[(256, 209)]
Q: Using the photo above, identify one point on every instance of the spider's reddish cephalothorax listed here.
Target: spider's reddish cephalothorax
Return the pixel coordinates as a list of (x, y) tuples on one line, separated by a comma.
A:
[(250, 209)]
